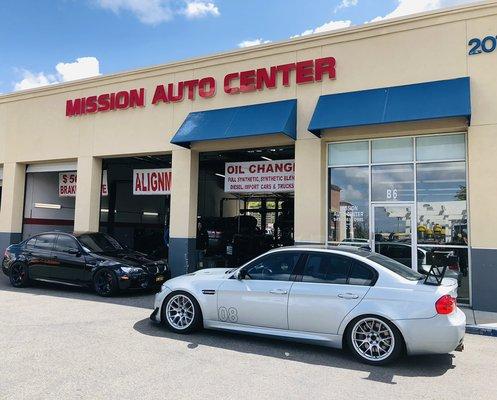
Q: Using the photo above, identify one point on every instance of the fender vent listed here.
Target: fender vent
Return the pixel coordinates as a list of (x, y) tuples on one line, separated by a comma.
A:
[(208, 291)]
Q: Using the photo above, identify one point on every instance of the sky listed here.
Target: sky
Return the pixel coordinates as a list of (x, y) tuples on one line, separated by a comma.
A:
[(44, 42)]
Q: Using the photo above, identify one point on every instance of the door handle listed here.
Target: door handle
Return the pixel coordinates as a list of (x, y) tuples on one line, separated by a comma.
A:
[(278, 291), (348, 296)]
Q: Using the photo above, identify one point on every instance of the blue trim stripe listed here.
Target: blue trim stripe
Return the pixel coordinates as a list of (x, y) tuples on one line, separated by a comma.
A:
[(421, 101), (227, 123)]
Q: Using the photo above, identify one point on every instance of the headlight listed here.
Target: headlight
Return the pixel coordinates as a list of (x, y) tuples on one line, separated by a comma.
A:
[(131, 270)]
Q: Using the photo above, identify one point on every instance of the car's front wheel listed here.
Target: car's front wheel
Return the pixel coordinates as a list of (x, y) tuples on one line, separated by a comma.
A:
[(105, 283), (181, 313), (18, 275), (374, 340)]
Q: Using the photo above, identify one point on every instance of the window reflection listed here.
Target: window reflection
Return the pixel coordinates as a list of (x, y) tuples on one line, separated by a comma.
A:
[(348, 204), (392, 183), (441, 205)]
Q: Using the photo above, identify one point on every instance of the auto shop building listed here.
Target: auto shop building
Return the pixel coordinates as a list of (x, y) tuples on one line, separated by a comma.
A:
[(381, 135)]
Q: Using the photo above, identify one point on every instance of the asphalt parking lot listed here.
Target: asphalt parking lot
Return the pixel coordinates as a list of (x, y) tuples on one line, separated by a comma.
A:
[(66, 343)]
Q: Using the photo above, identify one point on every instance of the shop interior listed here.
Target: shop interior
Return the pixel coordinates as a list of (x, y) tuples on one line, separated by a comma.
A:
[(138, 221), (234, 227)]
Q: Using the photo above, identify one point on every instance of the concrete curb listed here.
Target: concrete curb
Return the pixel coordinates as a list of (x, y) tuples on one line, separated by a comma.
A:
[(481, 330)]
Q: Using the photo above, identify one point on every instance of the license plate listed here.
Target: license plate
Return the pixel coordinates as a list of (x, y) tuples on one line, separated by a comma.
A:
[(159, 278)]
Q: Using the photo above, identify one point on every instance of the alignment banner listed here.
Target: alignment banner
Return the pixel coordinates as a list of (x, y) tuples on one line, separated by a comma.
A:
[(152, 181), (260, 177)]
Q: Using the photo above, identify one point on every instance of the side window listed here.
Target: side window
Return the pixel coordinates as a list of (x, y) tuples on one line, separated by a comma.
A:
[(274, 267), (45, 242), (65, 243), (360, 274), (30, 244), (326, 268)]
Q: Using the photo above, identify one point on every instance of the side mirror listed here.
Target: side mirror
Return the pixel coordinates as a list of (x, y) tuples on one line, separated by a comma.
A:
[(240, 274), (74, 252)]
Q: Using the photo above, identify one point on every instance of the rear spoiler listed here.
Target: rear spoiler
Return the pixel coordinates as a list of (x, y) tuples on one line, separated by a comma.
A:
[(435, 275)]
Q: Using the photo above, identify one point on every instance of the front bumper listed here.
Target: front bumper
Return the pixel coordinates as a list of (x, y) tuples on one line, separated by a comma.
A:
[(142, 281), (158, 301), (438, 335)]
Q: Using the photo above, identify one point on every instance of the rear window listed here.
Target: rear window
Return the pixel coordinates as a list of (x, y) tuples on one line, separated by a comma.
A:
[(396, 267)]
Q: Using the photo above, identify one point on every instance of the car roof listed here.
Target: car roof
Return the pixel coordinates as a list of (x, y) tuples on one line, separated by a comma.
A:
[(327, 248)]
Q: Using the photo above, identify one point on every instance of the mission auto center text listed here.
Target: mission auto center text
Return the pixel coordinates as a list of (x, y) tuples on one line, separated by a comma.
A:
[(301, 72)]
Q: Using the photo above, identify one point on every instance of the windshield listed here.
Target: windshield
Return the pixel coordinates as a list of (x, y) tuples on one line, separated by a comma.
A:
[(394, 266), (99, 242)]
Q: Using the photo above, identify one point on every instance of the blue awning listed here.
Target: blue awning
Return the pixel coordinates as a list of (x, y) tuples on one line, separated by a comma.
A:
[(422, 101), (227, 123)]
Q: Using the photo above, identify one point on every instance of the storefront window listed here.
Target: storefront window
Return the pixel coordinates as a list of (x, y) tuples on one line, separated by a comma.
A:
[(392, 150), (350, 153), (423, 181), (348, 204), (441, 203), (392, 183), (442, 147)]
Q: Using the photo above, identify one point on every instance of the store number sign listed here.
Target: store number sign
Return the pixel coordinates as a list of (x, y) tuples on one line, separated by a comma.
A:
[(486, 45), (260, 177)]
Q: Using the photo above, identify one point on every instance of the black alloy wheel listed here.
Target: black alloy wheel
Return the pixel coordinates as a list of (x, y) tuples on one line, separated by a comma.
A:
[(19, 275), (105, 283)]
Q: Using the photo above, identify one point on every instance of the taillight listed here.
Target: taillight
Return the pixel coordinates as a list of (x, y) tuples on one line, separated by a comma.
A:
[(446, 304)]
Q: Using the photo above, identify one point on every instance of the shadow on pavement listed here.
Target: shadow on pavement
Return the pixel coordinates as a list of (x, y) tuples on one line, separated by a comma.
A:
[(139, 299), (419, 366)]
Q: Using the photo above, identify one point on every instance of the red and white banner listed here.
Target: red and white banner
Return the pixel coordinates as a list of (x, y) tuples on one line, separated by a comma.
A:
[(152, 181), (260, 177), (68, 182)]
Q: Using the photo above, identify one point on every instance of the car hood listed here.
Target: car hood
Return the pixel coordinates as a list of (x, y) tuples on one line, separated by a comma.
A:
[(127, 257), (210, 273)]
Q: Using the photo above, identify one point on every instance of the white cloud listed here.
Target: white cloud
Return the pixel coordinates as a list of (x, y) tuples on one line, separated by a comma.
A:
[(199, 9), (406, 7), (329, 26), (155, 12), (84, 67), (255, 42), (346, 4), (151, 12)]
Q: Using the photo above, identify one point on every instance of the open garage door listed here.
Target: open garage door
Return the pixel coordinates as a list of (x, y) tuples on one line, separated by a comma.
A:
[(135, 207), (245, 204)]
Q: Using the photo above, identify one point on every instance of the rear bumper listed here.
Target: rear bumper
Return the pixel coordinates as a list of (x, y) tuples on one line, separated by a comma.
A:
[(438, 335)]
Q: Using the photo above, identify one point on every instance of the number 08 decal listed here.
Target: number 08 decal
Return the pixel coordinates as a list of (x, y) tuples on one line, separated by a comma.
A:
[(228, 314)]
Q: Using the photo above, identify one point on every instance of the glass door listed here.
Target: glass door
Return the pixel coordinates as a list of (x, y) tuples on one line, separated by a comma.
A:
[(392, 232)]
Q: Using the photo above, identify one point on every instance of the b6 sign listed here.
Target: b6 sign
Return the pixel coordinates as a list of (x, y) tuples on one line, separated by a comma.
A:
[(68, 183), (152, 181), (260, 177)]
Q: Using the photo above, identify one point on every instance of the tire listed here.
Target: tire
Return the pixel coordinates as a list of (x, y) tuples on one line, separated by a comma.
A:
[(18, 275), (181, 313), (105, 283), (374, 340)]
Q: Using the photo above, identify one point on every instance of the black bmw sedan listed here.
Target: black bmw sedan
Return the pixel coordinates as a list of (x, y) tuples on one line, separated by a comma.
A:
[(95, 260)]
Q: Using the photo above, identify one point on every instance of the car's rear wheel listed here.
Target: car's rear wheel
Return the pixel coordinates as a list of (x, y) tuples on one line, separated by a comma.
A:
[(374, 340), (105, 283), (181, 313), (18, 275)]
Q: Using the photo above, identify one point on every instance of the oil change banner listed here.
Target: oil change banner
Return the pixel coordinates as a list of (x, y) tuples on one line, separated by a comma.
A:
[(68, 182), (152, 181), (260, 177)]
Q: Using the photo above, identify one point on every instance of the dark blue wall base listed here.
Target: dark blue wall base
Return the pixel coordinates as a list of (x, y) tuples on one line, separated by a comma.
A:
[(6, 239), (484, 279), (182, 256), (309, 243)]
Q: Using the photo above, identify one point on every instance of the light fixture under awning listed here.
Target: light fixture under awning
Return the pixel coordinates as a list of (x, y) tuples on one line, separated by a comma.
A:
[(279, 117), (416, 102)]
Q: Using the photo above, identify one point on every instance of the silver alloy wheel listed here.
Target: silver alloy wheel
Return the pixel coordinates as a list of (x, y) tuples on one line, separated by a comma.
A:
[(180, 311), (373, 339)]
